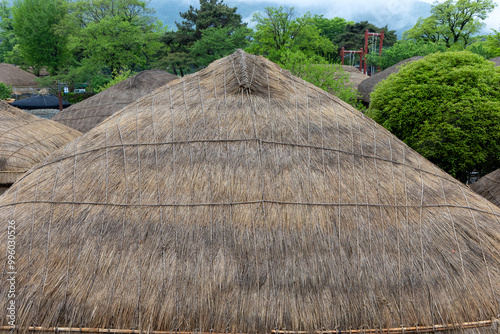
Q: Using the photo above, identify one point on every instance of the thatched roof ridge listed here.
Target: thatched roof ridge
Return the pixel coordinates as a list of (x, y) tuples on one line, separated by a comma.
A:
[(367, 86), (12, 75), (26, 139), (243, 199), (496, 60), (85, 115), (489, 187)]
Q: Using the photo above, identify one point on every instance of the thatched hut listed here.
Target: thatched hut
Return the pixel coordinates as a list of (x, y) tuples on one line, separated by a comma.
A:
[(18, 78), (26, 140), (85, 115), (243, 199), (489, 187), (496, 60), (366, 87)]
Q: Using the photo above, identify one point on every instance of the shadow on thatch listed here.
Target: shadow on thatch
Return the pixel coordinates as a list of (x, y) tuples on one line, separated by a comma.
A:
[(489, 187), (12, 75), (243, 199), (85, 115), (366, 87), (26, 140)]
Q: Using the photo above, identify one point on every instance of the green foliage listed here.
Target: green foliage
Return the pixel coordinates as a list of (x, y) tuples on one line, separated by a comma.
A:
[(77, 97), (117, 77), (277, 31), (7, 37), (5, 91), (216, 43), (316, 70), (183, 56), (114, 34), (330, 28), (493, 44), (35, 26), (447, 107), (353, 36), (452, 21), (402, 50)]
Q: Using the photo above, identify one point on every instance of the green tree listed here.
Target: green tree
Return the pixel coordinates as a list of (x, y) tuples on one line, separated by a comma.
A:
[(216, 43), (402, 50), (35, 25), (353, 36), (447, 107), (330, 28), (316, 70), (493, 44), (452, 21), (277, 30), (5, 91), (7, 38), (179, 44), (114, 34)]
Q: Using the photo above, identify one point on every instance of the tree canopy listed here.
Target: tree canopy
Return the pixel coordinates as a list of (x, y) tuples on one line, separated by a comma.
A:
[(452, 21), (447, 107), (35, 25), (201, 26), (353, 36), (277, 30)]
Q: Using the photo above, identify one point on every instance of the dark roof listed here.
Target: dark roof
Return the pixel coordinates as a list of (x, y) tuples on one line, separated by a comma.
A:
[(40, 102)]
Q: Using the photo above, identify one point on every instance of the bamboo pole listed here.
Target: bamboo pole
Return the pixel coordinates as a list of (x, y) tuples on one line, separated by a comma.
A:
[(397, 330)]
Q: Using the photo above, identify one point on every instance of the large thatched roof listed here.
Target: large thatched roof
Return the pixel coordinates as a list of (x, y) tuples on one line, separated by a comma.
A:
[(87, 114), (366, 87), (496, 60), (489, 187), (26, 140), (12, 75), (243, 199)]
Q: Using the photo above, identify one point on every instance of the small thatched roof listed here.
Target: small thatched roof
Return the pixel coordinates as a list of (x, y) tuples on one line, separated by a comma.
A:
[(355, 76), (366, 87), (489, 187), (85, 115), (496, 60), (12, 75), (40, 102), (25, 140), (243, 199)]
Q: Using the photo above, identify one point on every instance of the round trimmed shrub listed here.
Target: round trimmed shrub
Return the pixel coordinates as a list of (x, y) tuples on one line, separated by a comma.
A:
[(445, 106)]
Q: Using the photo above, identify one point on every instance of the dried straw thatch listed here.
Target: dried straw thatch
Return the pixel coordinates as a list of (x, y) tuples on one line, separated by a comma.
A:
[(366, 87), (496, 60), (26, 140), (243, 199), (87, 114), (355, 76), (11, 75), (489, 187)]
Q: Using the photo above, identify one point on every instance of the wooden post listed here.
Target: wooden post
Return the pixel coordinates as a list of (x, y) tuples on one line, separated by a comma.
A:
[(381, 43), (342, 55), (60, 101)]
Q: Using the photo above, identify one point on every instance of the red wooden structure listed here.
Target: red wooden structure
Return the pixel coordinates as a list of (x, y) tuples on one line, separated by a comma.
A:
[(361, 53), (367, 50)]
